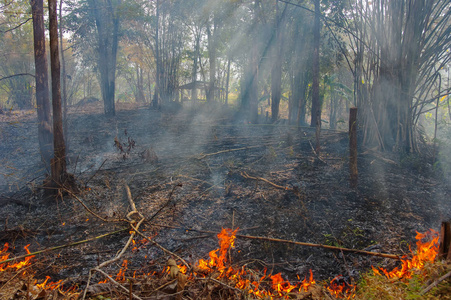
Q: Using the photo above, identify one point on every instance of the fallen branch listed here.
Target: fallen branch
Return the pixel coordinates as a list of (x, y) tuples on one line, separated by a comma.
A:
[(202, 156), (87, 208), (63, 246), (435, 283), (161, 247), (314, 151), (219, 282), (134, 223), (363, 252), (245, 175), (117, 283)]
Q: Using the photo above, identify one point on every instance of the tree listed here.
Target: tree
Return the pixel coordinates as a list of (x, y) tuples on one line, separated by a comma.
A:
[(399, 48), (107, 19), (45, 135), (316, 103), (276, 72), (58, 166)]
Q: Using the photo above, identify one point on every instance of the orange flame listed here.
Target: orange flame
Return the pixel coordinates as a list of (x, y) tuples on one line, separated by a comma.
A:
[(121, 275), (244, 279), (426, 252), (49, 286), (19, 265), (340, 288)]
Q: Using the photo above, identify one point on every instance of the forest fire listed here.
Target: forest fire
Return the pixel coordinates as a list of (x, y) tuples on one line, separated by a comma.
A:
[(272, 286), (263, 286), (426, 252)]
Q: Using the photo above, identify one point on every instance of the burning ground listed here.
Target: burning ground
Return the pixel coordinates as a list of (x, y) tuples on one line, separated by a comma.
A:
[(193, 174)]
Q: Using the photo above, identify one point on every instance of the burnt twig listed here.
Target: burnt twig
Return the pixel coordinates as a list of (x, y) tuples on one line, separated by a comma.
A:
[(95, 173), (167, 202)]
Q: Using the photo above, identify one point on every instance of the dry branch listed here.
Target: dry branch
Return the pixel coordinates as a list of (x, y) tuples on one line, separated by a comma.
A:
[(202, 156), (245, 175), (62, 246), (135, 225), (314, 151), (117, 283), (435, 283)]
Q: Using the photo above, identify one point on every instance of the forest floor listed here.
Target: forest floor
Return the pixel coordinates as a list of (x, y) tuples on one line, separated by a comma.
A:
[(201, 171)]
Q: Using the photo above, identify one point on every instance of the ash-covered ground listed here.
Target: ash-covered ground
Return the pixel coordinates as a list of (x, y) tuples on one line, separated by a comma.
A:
[(204, 170)]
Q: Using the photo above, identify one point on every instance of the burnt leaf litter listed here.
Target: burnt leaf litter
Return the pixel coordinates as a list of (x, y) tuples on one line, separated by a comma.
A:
[(194, 173)]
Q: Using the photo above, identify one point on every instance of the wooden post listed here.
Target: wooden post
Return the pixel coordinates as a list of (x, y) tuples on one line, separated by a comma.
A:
[(445, 241), (353, 147)]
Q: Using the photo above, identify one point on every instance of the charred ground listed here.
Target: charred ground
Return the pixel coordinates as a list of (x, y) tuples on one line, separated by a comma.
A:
[(202, 171)]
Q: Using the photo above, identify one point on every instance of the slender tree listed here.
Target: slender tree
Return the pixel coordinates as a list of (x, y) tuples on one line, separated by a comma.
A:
[(58, 168), (316, 104), (63, 70), (45, 135), (276, 72)]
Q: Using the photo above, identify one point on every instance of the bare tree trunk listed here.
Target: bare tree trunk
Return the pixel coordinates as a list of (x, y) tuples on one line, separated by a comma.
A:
[(45, 135), (195, 66), (211, 34), (276, 72), (316, 105), (226, 101), (107, 23), (59, 173), (63, 75), (158, 77)]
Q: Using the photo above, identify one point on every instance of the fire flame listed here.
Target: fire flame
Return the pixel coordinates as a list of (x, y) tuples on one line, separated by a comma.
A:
[(269, 286), (426, 252), (272, 286), (4, 255), (19, 265)]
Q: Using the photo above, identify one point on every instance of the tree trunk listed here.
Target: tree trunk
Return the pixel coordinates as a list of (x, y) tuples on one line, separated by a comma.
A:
[(59, 174), (211, 35), (226, 101), (63, 71), (158, 77), (316, 105), (107, 22), (195, 67), (45, 135), (276, 72)]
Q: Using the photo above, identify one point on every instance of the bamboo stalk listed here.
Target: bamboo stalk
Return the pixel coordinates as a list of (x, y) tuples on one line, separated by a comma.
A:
[(363, 252)]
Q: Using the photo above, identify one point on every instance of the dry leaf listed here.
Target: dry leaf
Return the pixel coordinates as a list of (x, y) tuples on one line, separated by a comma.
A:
[(174, 269), (181, 281)]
